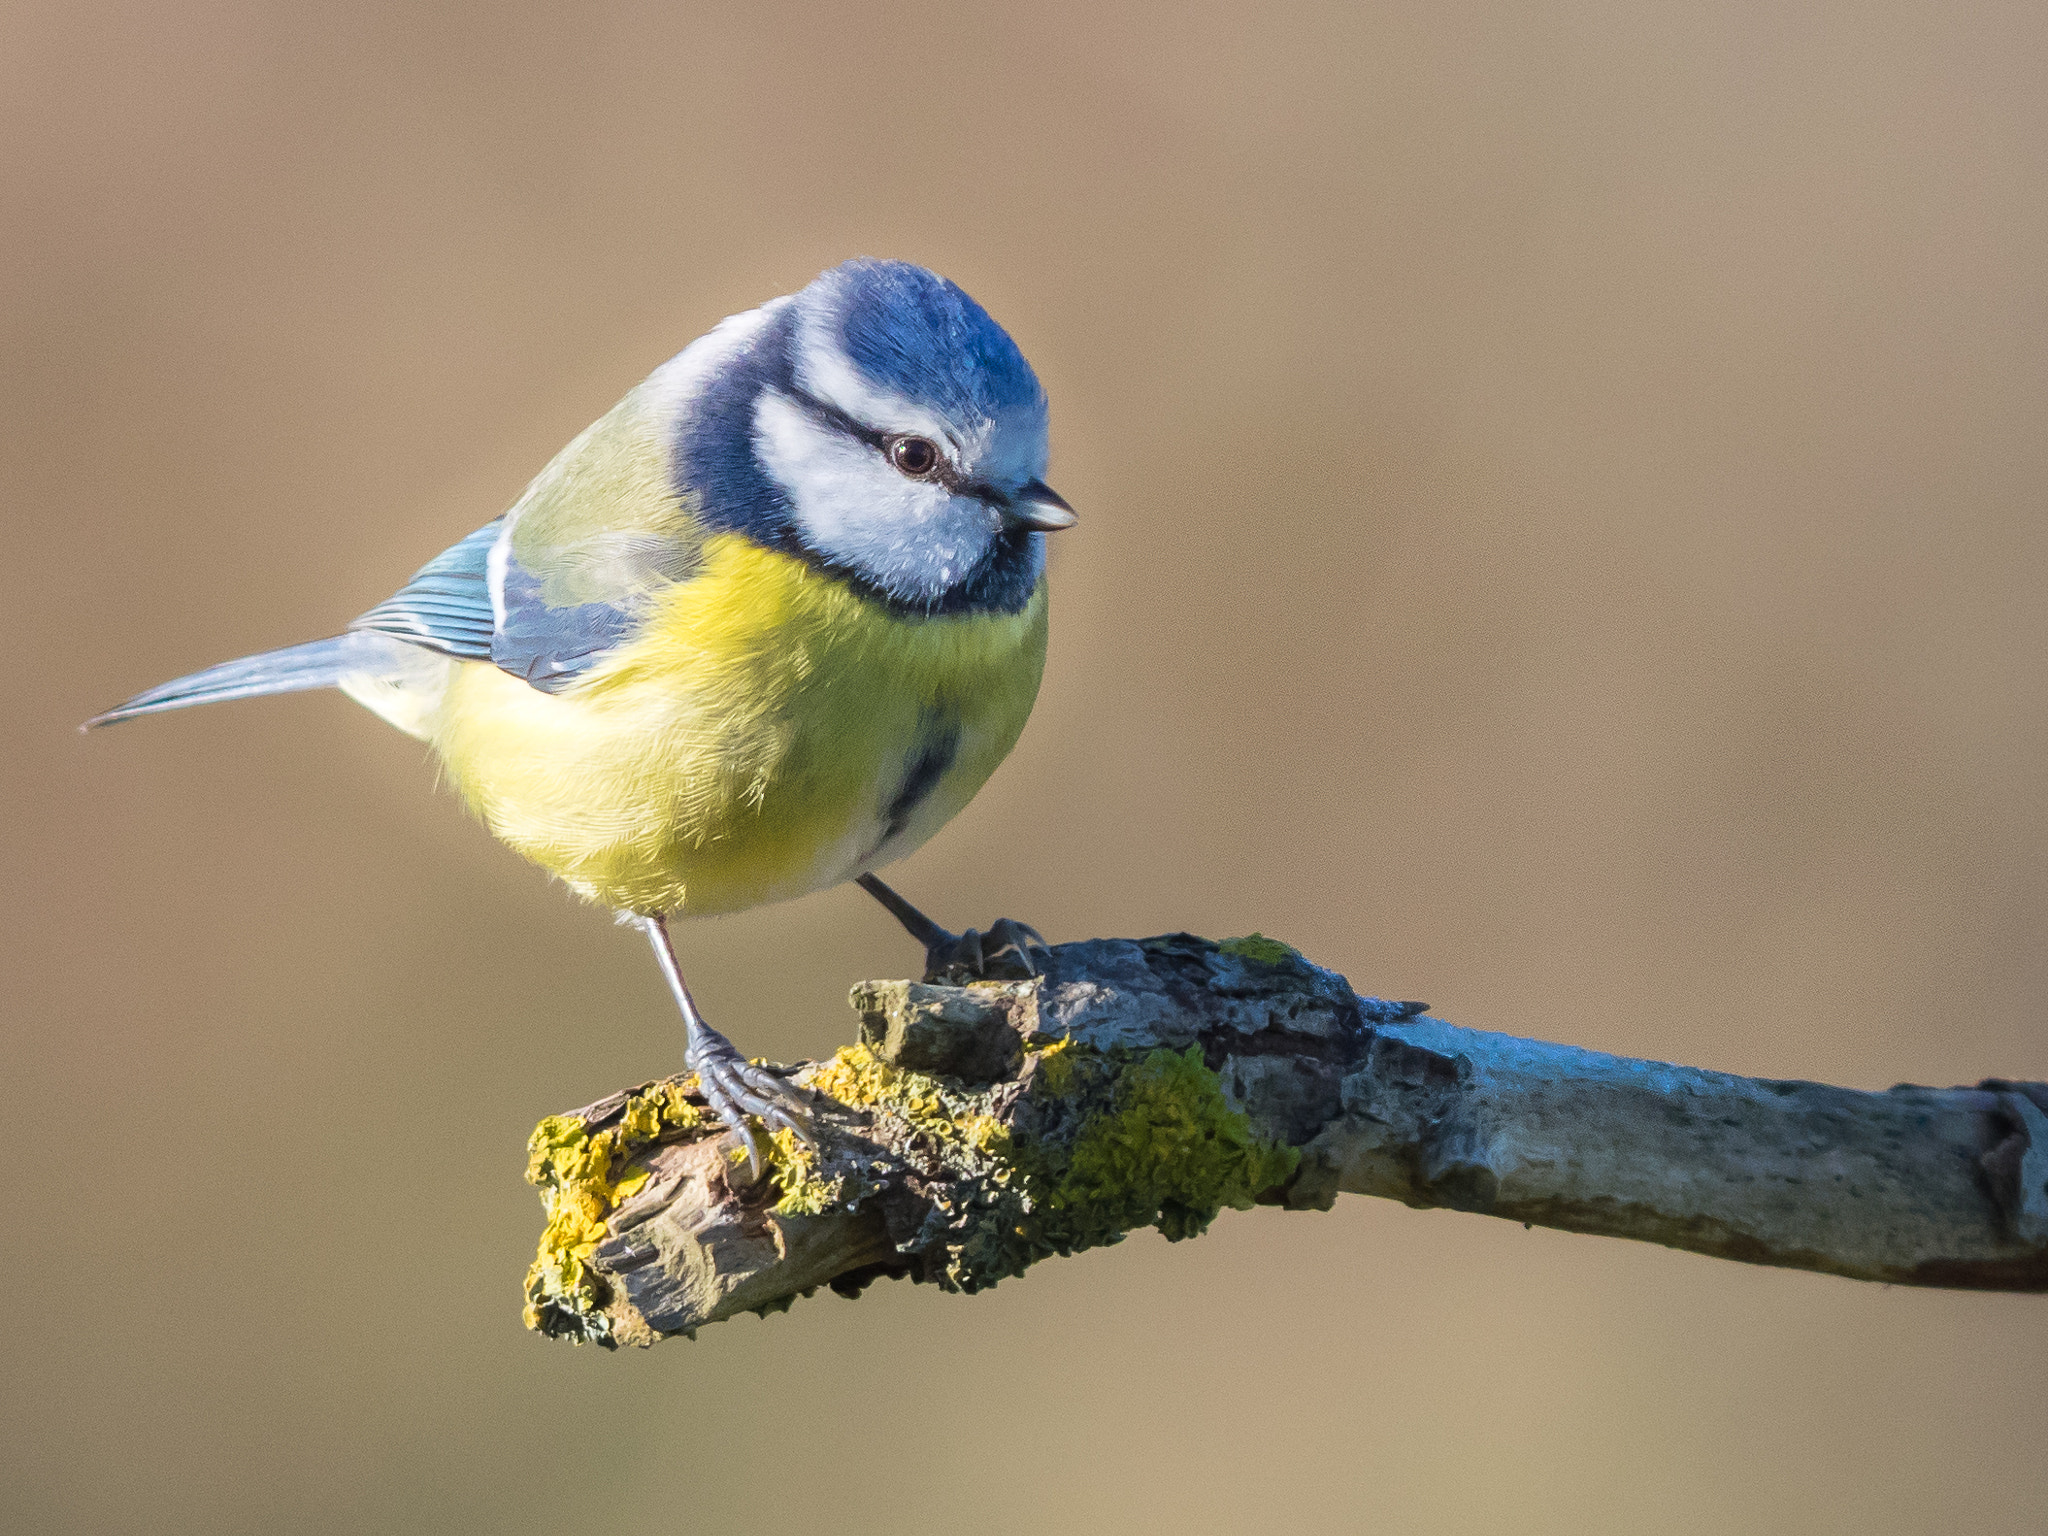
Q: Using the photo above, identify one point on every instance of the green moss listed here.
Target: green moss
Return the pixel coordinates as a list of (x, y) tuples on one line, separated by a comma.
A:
[(1256, 946), (582, 1179), (1053, 1069), (1159, 1146), (1103, 1143)]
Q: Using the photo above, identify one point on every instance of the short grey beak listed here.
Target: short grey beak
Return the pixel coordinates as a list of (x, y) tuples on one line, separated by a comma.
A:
[(1039, 506)]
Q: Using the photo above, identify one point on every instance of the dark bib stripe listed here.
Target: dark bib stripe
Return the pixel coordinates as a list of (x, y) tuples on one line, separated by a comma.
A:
[(938, 745)]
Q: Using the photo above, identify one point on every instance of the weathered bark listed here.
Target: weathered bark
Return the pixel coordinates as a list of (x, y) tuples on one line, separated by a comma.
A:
[(978, 1128)]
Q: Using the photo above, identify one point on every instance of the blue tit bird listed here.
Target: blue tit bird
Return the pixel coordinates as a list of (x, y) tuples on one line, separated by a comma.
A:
[(764, 627)]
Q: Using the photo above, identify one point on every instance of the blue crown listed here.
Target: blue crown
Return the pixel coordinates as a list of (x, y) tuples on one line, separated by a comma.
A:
[(913, 332)]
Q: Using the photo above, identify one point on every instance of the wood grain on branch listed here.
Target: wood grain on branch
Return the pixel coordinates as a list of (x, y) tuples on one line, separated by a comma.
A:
[(977, 1128)]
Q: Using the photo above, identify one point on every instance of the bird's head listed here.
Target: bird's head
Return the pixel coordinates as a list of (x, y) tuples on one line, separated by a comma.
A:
[(880, 423)]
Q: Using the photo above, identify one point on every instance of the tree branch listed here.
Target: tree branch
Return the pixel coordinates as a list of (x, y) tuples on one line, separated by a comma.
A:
[(976, 1129)]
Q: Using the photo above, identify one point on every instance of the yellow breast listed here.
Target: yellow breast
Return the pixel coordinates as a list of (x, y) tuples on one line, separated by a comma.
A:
[(769, 733)]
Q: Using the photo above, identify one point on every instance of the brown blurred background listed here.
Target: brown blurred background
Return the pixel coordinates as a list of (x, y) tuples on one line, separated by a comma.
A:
[(1563, 537)]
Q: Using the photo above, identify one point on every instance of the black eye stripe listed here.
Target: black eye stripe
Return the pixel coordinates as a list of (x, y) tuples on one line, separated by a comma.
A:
[(827, 414), (831, 416)]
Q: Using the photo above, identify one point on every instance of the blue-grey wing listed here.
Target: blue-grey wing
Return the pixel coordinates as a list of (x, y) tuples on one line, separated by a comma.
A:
[(567, 576), (446, 607), (551, 644)]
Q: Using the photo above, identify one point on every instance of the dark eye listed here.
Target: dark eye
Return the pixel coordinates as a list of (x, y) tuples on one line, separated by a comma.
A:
[(916, 457)]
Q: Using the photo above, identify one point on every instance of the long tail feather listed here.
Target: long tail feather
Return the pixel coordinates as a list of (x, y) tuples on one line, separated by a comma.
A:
[(316, 664)]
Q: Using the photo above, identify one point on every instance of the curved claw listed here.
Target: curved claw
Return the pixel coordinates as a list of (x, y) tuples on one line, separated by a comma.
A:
[(1004, 951), (736, 1089)]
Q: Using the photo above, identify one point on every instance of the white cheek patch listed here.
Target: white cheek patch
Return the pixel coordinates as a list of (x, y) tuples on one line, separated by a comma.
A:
[(911, 538)]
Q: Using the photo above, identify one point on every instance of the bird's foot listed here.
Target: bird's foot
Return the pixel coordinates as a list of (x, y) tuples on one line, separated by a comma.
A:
[(1004, 952), (737, 1088)]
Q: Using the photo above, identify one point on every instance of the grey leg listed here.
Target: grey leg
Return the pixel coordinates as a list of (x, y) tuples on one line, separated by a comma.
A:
[(735, 1086), (1005, 950)]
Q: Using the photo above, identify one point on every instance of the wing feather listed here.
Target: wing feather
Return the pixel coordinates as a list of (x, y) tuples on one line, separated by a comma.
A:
[(446, 607), (565, 577), (596, 537)]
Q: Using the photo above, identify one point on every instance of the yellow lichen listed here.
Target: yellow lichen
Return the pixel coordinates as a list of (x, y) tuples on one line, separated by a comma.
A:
[(858, 1077), (574, 1166), (855, 1076), (988, 1136), (805, 1189)]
